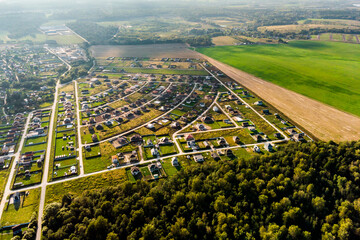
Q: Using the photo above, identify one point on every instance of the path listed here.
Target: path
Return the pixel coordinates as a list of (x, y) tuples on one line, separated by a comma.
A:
[(323, 121)]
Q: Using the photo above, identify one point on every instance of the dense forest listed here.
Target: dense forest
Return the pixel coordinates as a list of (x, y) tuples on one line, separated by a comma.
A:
[(303, 191)]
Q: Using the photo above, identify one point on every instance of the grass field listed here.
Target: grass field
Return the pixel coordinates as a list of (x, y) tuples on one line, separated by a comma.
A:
[(22, 214), (55, 192), (325, 71)]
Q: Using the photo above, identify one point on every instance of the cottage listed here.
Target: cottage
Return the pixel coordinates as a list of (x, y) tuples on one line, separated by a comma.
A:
[(299, 137), (222, 141), (229, 153), (115, 160), (189, 137), (135, 170), (236, 139), (154, 152), (259, 103), (256, 149), (153, 168), (94, 138), (175, 162), (207, 119), (268, 147), (215, 156), (164, 140), (133, 157), (266, 111), (198, 158), (99, 127)]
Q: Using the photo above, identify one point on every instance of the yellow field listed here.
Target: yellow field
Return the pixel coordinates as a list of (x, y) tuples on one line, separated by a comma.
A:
[(224, 40)]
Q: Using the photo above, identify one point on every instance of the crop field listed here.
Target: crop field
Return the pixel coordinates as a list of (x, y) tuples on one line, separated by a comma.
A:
[(325, 71)]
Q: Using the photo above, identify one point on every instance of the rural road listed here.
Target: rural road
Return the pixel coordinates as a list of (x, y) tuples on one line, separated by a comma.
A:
[(47, 163), (323, 121), (80, 146)]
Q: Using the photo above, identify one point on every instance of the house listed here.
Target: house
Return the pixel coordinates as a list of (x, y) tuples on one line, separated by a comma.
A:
[(136, 138), (215, 156), (216, 109), (245, 124), (72, 170), (153, 168), (201, 127), (256, 149), (268, 147), (154, 152), (94, 138), (198, 158), (133, 157), (115, 160), (122, 141), (175, 125), (259, 103), (99, 127), (257, 137), (222, 142), (189, 138), (229, 153), (207, 119), (299, 137), (151, 126), (291, 131), (175, 162), (277, 135), (236, 139), (135, 170), (266, 111), (164, 140)]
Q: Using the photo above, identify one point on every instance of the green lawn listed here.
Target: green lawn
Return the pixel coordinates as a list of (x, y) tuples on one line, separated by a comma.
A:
[(325, 71), (22, 214)]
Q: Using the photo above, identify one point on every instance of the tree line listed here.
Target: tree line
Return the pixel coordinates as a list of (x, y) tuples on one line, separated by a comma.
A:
[(303, 191)]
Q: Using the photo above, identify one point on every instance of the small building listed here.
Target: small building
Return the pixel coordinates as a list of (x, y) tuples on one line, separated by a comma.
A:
[(215, 156), (259, 103), (115, 160), (268, 147), (175, 162), (135, 170), (154, 152), (256, 149), (94, 138), (198, 158)]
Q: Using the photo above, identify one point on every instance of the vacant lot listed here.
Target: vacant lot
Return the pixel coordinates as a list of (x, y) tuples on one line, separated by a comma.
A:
[(151, 50), (325, 71)]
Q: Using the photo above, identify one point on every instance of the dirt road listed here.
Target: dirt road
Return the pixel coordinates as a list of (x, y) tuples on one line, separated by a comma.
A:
[(324, 122)]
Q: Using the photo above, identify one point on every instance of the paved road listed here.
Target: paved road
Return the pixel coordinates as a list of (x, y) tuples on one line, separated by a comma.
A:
[(80, 145), (47, 163), (7, 190)]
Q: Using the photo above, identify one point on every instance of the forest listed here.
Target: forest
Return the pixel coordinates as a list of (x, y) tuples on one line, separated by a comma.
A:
[(303, 191)]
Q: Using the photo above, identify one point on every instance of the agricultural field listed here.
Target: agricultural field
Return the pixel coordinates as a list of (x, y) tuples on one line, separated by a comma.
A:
[(304, 67)]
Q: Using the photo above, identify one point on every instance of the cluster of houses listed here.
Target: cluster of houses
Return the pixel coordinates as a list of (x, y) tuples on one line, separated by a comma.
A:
[(11, 134)]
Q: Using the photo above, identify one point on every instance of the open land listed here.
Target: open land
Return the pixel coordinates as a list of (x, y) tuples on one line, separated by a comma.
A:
[(321, 120)]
